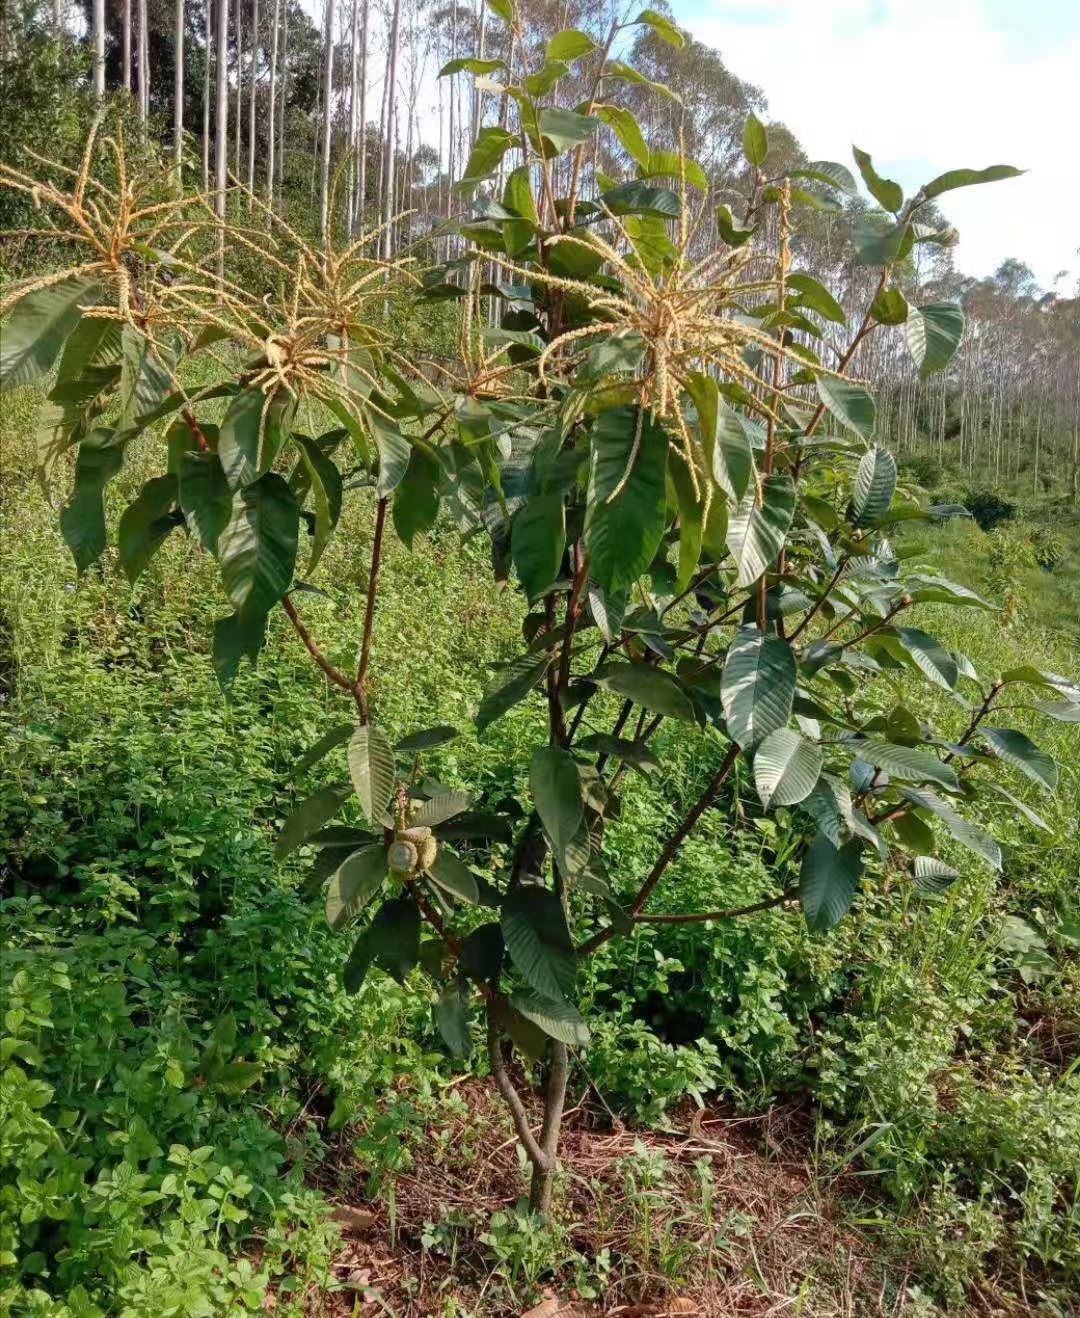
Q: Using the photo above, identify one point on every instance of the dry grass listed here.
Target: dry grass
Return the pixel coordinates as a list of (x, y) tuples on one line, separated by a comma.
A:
[(772, 1241)]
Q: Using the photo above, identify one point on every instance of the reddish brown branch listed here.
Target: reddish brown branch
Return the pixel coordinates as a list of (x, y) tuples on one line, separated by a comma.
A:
[(333, 674)]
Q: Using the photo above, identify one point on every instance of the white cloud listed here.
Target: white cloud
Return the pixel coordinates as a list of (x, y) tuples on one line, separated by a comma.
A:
[(924, 85)]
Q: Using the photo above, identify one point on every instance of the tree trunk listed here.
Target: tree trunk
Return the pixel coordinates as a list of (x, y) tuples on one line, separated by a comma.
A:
[(239, 89), (354, 75), (388, 168), (221, 128), (144, 62), (125, 21), (542, 1182), (253, 84), (284, 101), (361, 173), (270, 118), (328, 120), (99, 47), (58, 17), (178, 85), (206, 98)]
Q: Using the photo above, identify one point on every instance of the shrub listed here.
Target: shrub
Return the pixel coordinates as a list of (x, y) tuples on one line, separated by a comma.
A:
[(989, 508)]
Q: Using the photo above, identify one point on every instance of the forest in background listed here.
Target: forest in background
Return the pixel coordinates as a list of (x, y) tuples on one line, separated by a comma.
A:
[(325, 122)]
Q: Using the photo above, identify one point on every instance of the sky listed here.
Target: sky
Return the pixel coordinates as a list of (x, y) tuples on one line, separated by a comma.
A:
[(925, 86)]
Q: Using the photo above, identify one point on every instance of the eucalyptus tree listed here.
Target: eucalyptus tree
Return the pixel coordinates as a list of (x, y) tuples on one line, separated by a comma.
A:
[(327, 120), (178, 83), (696, 506), (98, 36), (253, 89)]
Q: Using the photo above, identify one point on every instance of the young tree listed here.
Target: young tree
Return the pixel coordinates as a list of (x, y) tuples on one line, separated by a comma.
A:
[(221, 128), (207, 66), (327, 121), (253, 90), (270, 116), (698, 509), (98, 26), (388, 131)]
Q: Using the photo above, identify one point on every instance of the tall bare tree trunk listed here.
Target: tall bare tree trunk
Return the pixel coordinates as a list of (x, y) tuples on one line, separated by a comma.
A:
[(178, 85), (239, 89), (284, 98), (144, 62), (361, 173), (253, 85), (99, 47), (328, 122), (273, 94), (221, 128), (206, 98), (388, 168), (125, 39), (58, 17)]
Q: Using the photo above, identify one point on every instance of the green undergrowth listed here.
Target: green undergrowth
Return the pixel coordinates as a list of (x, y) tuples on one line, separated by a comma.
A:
[(180, 1063)]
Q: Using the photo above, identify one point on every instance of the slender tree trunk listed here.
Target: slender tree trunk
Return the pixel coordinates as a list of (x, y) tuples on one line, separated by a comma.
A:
[(99, 47), (354, 75), (206, 98), (178, 85), (270, 119), (58, 17), (252, 88), (391, 88), (125, 42), (221, 127), (361, 173), (284, 98), (328, 123), (239, 90), (542, 1182), (144, 62)]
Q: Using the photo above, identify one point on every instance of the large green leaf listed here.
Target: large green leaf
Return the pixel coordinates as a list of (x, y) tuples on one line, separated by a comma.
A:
[(371, 764), (326, 495), (555, 784), (664, 28), (236, 638), (570, 44), (877, 242), (394, 452), (756, 534), (875, 485), (144, 381), (82, 521), (816, 297), (758, 686), (888, 195), (786, 768), (850, 403), (963, 830), (755, 140), (907, 762), (829, 881), (309, 816), (828, 172), (337, 736), (440, 808), (482, 953), (257, 548), (416, 498), (240, 436), (635, 753), (933, 335), (559, 1020), (653, 688), (510, 687), (358, 963), (426, 739), (933, 875), (205, 497), (537, 542), (354, 883), (965, 178), (1017, 749), (38, 327), (145, 523), (395, 936), (536, 936), (930, 656), (488, 150), (732, 456), (637, 197), (627, 501), (452, 875), (626, 129), (452, 1018), (563, 129)]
